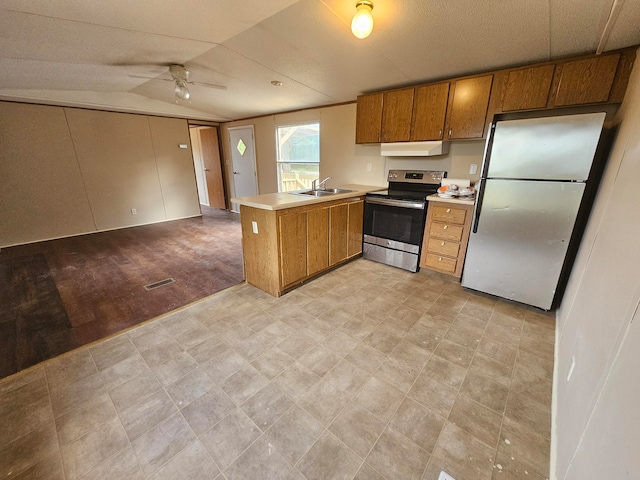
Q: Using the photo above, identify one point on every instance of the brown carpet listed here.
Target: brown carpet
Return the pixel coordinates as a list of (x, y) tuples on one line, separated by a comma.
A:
[(61, 294)]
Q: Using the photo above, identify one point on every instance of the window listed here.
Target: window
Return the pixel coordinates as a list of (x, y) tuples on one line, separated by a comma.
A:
[(298, 155)]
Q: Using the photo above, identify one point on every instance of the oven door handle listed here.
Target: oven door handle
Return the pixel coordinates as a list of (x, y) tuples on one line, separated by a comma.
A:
[(395, 203)]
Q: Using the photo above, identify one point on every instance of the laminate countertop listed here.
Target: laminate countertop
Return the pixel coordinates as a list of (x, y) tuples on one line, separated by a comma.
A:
[(454, 200), (279, 201)]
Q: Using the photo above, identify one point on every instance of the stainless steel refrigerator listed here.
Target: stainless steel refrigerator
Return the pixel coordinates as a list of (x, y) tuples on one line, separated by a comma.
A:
[(533, 196)]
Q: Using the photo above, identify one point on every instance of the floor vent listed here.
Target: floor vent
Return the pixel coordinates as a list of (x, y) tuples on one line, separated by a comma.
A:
[(159, 284)]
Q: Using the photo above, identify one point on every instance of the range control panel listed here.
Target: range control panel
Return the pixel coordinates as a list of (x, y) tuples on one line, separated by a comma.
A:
[(416, 176)]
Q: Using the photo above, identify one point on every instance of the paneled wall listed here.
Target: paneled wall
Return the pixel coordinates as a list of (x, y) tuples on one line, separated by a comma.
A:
[(67, 171), (596, 384), (340, 157)]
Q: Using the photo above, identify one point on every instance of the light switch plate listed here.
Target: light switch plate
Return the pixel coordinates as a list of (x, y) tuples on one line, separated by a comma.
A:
[(445, 476)]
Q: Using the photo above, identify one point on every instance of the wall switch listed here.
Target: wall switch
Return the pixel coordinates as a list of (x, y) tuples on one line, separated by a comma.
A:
[(473, 169), (134, 211), (254, 226), (369, 166)]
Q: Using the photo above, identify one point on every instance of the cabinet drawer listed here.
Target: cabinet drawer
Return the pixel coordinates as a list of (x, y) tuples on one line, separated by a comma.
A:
[(443, 264), (449, 214), (442, 247), (445, 231)]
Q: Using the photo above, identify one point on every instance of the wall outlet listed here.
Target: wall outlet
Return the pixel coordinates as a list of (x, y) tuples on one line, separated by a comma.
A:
[(369, 167), (134, 211), (254, 226), (473, 169)]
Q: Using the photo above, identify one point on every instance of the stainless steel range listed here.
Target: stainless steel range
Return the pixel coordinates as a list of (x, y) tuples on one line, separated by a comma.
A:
[(394, 218)]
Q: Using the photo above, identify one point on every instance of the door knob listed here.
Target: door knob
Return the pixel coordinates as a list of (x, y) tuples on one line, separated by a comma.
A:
[(206, 170)]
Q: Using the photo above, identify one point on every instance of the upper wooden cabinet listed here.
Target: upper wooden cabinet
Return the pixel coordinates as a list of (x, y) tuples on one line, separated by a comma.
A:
[(468, 107), (461, 108), (369, 118), (429, 112), (586, 81), (397, 106), (527, 88)]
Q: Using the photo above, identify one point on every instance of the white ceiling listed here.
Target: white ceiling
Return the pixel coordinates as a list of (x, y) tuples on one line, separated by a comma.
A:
[(113, 54)]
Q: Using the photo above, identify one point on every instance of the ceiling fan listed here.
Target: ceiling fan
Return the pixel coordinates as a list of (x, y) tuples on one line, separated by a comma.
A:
[(180, 77)]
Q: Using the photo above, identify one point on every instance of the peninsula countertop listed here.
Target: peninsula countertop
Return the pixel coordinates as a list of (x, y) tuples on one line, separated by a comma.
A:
[(279, 201)]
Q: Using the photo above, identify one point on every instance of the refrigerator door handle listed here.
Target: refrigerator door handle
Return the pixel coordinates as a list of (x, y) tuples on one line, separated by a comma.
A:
[(476, 212)]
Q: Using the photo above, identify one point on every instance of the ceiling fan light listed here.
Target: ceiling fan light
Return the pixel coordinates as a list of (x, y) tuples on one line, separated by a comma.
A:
[(362, 23), (182, 92)]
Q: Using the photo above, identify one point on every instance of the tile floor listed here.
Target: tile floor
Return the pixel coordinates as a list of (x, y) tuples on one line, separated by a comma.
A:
[(367, 373)]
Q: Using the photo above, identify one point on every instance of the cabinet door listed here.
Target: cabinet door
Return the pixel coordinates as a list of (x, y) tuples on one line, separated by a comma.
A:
[(369, 118), (429, 112), (469, 107), (356, 217), (293, 247), (586, 81), (527, 88), (317, 240), (396, 115), (338, 225)]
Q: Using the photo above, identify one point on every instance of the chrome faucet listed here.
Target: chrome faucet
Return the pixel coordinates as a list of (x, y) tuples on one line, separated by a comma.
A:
[(321, 186)]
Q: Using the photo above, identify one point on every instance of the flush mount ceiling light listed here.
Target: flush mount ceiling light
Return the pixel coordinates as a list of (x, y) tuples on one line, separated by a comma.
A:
[(276, 83), (181, 77), (362, 23)]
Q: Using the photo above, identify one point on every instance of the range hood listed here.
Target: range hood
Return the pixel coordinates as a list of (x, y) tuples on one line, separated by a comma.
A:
[(414, 149)]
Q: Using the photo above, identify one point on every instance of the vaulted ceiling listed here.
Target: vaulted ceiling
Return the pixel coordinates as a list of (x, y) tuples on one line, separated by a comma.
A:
[(114, 54)]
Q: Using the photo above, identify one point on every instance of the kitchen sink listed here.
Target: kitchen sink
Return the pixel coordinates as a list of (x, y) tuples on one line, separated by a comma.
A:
[(334, 191), (322, 193)]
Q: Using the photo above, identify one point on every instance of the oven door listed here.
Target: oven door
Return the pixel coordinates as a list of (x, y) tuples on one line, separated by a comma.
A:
[(401, 221)]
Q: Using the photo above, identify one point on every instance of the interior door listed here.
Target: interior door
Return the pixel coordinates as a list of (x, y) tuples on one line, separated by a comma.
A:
[(212, 167), (243, 158)]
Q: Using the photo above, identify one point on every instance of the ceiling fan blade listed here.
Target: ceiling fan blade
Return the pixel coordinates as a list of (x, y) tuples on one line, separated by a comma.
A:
[(152, 78), (210, 85)]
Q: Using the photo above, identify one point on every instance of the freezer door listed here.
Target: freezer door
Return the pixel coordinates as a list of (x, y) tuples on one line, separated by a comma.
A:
[(550, 148), (521, 237)]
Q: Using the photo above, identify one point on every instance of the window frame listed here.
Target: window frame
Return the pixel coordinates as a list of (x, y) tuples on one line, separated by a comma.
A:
[(279, 162)]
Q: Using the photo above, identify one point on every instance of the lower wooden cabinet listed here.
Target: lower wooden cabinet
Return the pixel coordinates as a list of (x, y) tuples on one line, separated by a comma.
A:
[(338, 233), (295, 244), (292, 232), (317, 241), (445, 237)]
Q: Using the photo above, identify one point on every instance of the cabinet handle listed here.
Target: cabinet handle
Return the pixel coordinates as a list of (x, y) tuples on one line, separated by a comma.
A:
[(442, 244), (445, 227), (448, 210), (440, 134), (450, 131)]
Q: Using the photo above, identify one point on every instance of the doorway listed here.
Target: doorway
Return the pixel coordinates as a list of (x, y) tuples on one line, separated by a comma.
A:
[(243, 159), (208, 167)]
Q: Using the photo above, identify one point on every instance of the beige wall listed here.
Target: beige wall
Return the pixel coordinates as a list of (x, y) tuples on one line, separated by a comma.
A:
[(42, 194), (340, 157), (596, 415), (68, 171)]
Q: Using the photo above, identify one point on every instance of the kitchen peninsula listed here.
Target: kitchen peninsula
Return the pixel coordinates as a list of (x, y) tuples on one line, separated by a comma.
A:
[(289, 238)]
